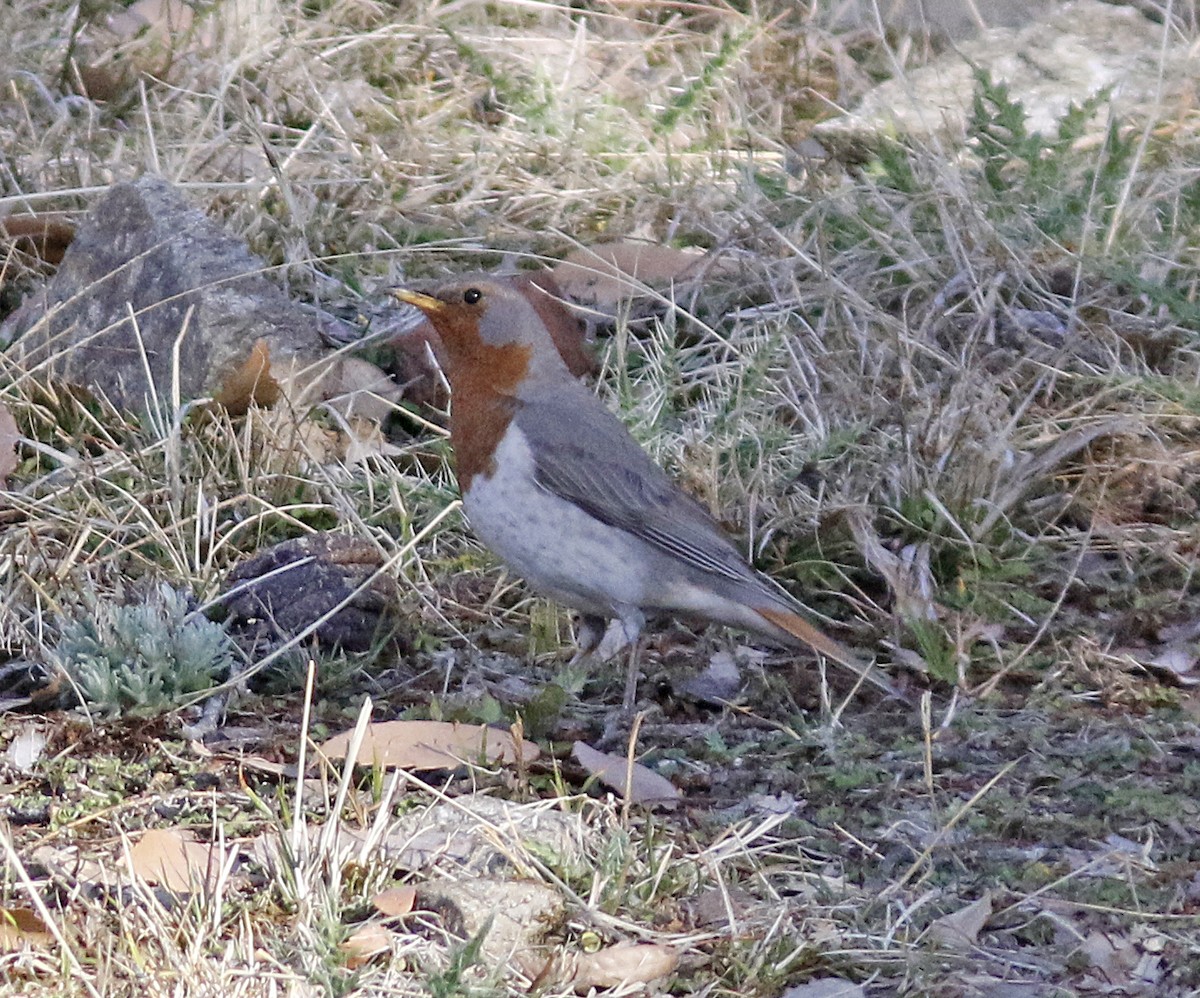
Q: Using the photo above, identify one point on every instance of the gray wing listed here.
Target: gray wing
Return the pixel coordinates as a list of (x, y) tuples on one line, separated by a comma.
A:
[(584, 454)]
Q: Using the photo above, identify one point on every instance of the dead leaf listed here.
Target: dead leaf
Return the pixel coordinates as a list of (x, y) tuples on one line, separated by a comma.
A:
[(320, 445), (395, 901), (166, 17), (358, 388), (611, 272), (718, 682), (623, 964), (960, 929), (20, 927), (176, 860), (365, 439), (250, 384), (430, 745), (1114, 858), (1113, 957), (10, 436), (365, 943), (644, 785), (1177, 662), (75, 865), (269, 767), (45, 236), (149, 36), (26, 749), (718, 908)]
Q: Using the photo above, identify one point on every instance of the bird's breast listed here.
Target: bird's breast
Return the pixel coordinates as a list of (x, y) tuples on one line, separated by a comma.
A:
[(555, 545)]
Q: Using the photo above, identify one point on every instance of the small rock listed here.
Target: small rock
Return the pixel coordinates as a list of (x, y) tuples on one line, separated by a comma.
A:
[(284, 589)]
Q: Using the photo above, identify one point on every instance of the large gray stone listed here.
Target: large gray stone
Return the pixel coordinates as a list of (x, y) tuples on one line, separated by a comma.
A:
[(1069, 53), (956, 19), (148, 277)]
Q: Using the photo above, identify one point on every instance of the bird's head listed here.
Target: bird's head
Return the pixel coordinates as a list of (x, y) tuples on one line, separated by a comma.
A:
[(479, 309)]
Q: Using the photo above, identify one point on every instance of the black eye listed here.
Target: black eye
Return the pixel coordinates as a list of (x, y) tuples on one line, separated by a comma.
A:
[(472, 295)]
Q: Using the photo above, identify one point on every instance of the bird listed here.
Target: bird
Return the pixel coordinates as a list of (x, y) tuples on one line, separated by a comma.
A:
[(554, 484)]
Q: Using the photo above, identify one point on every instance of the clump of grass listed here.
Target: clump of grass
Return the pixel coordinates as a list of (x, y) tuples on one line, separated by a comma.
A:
[(143, 659)]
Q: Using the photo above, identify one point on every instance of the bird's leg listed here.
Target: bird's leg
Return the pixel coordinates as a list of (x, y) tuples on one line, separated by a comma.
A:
[(632, 619), (605, 639)]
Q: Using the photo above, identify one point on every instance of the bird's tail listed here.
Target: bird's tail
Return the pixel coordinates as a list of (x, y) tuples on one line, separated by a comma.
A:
[(797, 627)]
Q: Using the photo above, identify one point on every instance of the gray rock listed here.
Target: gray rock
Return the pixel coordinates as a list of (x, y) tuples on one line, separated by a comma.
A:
[(149, 276), (1073, 52), (956, 19)]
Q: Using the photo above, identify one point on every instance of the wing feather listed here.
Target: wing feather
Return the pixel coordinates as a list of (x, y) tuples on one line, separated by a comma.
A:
[(594, 463)]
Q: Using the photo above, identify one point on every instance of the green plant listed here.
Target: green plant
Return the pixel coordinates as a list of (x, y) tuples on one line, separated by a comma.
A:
[(1058, 185), (143, 659), (451, 982), (703, 83)]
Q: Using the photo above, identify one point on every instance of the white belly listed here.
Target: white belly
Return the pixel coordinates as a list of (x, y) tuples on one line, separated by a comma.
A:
[(554, 545)]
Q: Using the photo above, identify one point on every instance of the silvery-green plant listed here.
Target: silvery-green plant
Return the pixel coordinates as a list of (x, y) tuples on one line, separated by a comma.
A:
[(143, 659)]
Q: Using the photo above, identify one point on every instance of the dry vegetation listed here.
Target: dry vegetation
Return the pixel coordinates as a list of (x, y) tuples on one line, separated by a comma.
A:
[(953, 400)]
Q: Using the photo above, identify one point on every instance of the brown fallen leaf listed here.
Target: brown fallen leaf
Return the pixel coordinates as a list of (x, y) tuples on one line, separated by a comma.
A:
[(395, 901), (269, 767), (176, 860), (612, 272), (364, 439), (166, 17), (430, 745), (644, 785), (149, 36), (1173, 662), (623, 964), (1111, 956), (76, 865), (719, 907), (44, 236), (251, 383), (365, 943), (960, 929), (358, 388), (20, 927)]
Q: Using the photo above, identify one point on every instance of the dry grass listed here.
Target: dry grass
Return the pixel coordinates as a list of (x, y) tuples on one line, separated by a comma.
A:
[(962, 420)]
